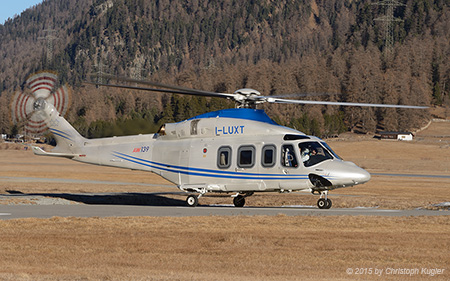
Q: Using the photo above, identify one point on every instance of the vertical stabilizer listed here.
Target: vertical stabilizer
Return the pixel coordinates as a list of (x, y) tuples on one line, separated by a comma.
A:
[(68, 140)]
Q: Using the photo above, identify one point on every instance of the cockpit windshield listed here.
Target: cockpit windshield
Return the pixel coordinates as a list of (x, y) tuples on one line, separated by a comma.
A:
[(331, 150), (313, 153)]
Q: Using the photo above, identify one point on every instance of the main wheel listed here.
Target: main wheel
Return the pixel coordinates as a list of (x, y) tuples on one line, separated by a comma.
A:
[(239, 201), (322, 203), (192, 200)]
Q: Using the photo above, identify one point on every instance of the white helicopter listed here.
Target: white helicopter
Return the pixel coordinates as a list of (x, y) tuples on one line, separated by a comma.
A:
[(236, 151)]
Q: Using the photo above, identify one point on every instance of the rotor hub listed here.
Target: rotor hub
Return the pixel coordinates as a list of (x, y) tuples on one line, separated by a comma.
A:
[(248, 98), (248, 92), (39, 104)]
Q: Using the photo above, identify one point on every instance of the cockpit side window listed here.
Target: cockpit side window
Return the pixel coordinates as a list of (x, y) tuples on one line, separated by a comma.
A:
[(288, 158), (313, 153)]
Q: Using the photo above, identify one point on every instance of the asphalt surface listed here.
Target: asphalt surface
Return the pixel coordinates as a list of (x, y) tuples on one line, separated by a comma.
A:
[(48, 211), (156, 204)]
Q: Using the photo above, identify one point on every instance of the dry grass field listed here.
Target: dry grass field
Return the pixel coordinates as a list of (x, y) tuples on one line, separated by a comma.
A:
[(236, 248), (224, 248)]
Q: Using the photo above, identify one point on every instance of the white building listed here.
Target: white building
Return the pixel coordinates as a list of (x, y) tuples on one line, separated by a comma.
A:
[(406, 136)]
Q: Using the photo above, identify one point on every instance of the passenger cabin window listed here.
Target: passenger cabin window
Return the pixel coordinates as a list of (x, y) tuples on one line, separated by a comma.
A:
[(313, 153), (224, 157), (268, 156), (246, 156), (288, 158)]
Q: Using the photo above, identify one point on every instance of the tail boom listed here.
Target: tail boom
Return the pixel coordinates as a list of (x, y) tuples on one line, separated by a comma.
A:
[(68, 140)]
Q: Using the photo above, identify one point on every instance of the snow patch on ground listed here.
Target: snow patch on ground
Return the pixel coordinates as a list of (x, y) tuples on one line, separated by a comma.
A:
[(442, 205)]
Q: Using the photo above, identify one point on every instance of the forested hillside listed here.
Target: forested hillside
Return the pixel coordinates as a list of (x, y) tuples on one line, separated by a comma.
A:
[(331, 49)]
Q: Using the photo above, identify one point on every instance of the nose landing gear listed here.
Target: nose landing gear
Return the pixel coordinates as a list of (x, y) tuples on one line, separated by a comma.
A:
[(321, 186), (324, 202)]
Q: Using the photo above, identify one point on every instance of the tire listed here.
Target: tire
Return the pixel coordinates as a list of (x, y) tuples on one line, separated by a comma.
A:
[(322, 203), (329, 203), (239, 201), (192, 200)]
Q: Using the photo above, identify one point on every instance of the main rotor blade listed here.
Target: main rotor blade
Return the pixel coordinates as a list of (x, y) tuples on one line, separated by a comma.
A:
[(298, 95), (237, 97), (178, 89), (275, 100), (193, 93)]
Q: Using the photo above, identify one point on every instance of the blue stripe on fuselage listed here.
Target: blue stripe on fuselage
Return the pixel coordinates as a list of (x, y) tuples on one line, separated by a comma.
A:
[(206, 172), (61, 134)]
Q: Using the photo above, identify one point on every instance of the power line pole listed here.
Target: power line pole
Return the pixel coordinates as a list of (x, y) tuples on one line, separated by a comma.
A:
[(49, 38), (137, 74), (99, 72), (388, 21)]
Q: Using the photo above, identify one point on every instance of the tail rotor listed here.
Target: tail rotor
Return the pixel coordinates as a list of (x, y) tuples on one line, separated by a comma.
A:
[(41, 87)]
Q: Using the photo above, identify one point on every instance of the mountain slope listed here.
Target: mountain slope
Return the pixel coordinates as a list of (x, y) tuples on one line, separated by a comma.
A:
[(276, 47)]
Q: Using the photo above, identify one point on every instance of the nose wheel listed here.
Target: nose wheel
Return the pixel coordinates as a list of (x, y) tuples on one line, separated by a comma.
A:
[(324, 202)]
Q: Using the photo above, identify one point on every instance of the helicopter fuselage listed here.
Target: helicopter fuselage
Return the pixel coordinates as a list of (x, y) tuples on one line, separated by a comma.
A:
[(239, 150), (234, 150)]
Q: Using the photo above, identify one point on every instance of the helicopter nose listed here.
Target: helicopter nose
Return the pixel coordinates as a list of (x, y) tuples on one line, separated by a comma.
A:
[(361, 176), (356, 174), (344, 173)]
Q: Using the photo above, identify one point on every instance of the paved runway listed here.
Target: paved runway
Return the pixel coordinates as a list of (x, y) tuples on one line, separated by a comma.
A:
[(156, 204), (48, 211)]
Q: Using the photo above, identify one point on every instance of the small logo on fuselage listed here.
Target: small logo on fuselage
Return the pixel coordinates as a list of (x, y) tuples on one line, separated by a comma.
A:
[(141, 149)]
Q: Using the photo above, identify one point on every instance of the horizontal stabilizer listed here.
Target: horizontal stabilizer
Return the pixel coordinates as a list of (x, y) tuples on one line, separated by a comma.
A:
[(41, 152)]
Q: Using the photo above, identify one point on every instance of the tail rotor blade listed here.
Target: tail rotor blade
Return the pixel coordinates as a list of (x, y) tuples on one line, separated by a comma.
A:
[(21, 107), (35, 124), (42, 84)]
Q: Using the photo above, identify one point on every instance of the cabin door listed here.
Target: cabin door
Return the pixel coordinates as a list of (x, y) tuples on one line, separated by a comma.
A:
[(184, 166)]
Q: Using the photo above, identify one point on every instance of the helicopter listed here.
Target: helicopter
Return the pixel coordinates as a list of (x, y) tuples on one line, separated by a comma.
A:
[(237, 151)]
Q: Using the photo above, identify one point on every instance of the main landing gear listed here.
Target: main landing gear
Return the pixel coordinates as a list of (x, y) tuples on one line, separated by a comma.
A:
[(324, 202), (192, 200), (238, 200)]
